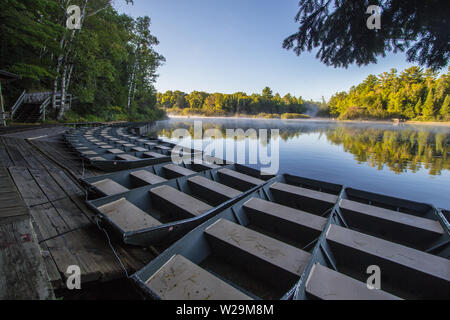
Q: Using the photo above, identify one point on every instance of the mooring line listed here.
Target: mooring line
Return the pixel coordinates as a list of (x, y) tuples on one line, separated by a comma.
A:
[(112, 247)]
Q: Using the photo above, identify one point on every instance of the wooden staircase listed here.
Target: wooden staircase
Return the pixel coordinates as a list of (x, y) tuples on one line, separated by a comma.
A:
[(32, 107)]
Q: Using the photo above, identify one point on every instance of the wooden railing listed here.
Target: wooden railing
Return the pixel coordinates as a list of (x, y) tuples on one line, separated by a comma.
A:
[(18, 103)]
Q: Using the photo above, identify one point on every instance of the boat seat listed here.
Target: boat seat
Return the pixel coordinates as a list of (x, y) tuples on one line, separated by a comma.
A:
[(181, 279), (82, 148), (147, 177), (150, 144), (129, 145), (234, 240), (175, 171), (205, 166), (109, 187), (142, 140), (139, 149), (306, 199), (127, 216), (399, 263), (176, 201), (100, 143), (106, 147), (97, 159), (127, 157), (154, 155), (239, 180), (296, 224), (115, 151), (326, 284), (213, 190), (89, 153), (163, 147), (397, 225)]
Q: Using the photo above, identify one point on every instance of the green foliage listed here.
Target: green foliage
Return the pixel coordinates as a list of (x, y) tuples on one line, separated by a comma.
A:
[(337, 31), (393, 95), (294, 116), (111, 53), (218, 104)]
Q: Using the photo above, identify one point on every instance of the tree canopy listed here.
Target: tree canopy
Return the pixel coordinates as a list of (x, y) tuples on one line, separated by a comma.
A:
[(412, 94), (337, 30), (218, 104), (109, 65)]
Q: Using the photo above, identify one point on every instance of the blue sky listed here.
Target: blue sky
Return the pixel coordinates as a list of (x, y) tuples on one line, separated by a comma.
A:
[(236, 45)]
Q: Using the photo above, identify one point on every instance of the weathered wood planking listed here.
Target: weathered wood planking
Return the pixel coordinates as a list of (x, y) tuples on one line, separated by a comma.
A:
[(71, 214), (28, 188), (88, 248), (45, 181), (22, 274), (62, 221), (48, 221)]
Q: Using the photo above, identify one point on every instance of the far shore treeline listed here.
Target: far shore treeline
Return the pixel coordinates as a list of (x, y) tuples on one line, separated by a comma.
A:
[(265, 105), (413, 94)]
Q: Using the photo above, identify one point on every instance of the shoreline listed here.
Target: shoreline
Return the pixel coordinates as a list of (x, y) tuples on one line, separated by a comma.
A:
[(313, 119)]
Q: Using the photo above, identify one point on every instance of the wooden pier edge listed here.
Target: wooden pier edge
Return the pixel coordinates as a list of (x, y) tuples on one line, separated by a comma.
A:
[(43, 213)]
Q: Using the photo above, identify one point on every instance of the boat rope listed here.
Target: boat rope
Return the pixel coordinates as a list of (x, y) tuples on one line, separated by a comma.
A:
[(82, 163), (97, 220)]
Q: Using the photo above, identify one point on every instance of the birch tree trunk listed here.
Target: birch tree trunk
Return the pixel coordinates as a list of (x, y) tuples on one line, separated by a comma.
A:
[(132, 79), (64, 76), (63, 5)]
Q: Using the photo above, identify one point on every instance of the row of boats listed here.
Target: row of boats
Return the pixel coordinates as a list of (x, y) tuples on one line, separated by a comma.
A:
[(238, 234)]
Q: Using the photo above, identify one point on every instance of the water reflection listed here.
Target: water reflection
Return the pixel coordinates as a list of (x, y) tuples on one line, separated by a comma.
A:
[(402, 148)]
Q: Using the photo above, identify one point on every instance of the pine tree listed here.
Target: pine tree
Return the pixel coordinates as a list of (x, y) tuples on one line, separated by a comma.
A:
[(445, 109), (418, 107), (428, 108)]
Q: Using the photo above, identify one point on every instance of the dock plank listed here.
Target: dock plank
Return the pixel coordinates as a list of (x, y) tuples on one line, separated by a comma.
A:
[(73, 216), (28, 188), (49, 221), (48, 185), (22, 273)]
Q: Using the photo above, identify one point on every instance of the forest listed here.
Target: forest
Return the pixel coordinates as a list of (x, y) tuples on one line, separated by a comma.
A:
[(110, 68), (264, 105), (413, 94), (109, 65)]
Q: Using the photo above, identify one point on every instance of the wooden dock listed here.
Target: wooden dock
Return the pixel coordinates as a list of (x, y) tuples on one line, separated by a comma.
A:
[(46, 222)]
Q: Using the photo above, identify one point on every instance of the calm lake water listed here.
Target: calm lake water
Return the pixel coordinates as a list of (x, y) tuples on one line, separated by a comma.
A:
[(406, 161)]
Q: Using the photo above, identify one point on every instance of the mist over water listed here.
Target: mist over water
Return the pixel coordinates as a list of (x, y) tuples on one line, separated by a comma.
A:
[(406, 161)]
